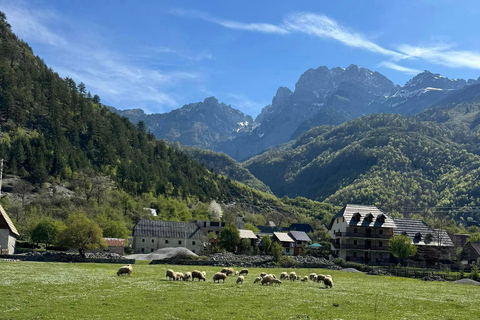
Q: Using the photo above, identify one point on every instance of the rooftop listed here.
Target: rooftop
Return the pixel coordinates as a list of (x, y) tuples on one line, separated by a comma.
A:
[(247, 234), (115, 242), (364, 216), (167, 229), (421, 234), (283, 237), (300, 236), (9, 222)]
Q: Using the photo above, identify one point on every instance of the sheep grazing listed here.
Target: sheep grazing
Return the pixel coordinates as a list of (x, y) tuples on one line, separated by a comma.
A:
[(187, 276), (230, 271), (267, 279), (244, 271), (179, 276), (236, 273), (263, 274), (305, 279), (204, 273), (293, 276), (314, 279), (240, 279), (276, 281), (328, 281), (219, 276), (198, 275), (125, 270), (170, 274), (257, 279), (298, 278), (283, 275), (312, 276), (320, 277), (272, 275)]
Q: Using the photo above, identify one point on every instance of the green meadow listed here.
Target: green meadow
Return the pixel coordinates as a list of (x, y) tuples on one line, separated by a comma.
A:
[(37, 290)]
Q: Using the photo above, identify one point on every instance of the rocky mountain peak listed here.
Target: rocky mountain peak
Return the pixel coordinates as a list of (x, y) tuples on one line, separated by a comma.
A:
[(426, 79)]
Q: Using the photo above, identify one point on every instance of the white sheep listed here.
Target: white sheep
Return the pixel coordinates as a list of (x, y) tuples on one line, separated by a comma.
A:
[(263, 274), (283, 275), (187, 276), (170, 274), (305, 279), (257, 279), (179, 276), (267, 279), (328, 281), (320, 277), (273, 276), (125, 270), (293, 276), (313, 275), (219, 276), (240, 279), (198, 275), (276, 281)]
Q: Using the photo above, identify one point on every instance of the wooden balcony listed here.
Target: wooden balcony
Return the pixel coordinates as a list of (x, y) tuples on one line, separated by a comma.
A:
[(359, 247), (362, 235)]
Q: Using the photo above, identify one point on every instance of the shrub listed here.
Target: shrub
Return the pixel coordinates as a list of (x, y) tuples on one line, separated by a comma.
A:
[(475, 272), (287, 262), (339, 262), (276, 251)]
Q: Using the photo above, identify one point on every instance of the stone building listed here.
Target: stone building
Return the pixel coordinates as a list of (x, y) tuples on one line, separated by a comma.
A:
[(150, 235), (8, 233)]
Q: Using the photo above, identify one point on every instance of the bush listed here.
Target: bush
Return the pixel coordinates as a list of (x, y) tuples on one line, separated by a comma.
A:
[(287, 262), (475, 272), (276, 251), (339, 262)]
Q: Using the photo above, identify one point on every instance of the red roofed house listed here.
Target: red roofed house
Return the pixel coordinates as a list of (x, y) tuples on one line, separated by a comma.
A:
[(115, 245), (8, 233)]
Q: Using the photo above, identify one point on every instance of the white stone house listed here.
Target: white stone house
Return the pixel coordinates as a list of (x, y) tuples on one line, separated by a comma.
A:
[(8, 233)]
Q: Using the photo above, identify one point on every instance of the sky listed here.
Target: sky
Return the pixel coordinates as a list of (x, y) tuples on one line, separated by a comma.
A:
[(161, 55)]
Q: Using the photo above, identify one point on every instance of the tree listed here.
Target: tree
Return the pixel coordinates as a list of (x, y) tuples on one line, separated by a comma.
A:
[(402, 247), (22, 188), (115, 229), (215, 211), (249, 226), (475, 238), (81, 233), (266, 244), (276, 251), (230, 237), (47, 231)]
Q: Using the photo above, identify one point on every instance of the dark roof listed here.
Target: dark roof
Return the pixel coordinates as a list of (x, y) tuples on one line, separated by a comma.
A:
[(421, 234), (167, 229), (474, 246), (301, 227), (268, 229), (299, 236), (9, 222), (362, 212)]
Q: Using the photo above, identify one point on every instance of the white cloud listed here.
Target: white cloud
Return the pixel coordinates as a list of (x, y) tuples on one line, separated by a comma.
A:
[(255, 27), (443, 55), (394, 66), (324, 27)]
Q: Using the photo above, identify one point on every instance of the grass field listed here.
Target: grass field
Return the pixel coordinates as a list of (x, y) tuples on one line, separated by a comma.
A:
[(36, 290)]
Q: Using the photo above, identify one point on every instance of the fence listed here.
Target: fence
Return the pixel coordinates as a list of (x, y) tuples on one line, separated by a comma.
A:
[(408, 273)]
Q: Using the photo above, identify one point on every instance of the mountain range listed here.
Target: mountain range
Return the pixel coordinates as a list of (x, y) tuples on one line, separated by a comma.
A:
[(322, 96)]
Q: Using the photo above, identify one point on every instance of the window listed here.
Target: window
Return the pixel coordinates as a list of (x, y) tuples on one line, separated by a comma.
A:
[(153, 241), (380, 231), (204, 224), (151, 250), (299, 243), (355, 242), (355, 230), (179, 241), (143, 240), (343, 219), (355, 254), (287, 250), (166, 241), (380, 244), (143, 249), (193, 243)]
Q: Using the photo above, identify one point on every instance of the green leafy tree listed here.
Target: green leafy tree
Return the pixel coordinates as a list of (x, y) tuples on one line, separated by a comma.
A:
[(402, 247), (115, 229), (230, 237), (266, 244), (276, 251), (47, 231), (249, 226), (475, 238), (82, 233)]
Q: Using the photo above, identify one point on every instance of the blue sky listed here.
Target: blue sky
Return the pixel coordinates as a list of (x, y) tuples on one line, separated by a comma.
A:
[(160, 55)]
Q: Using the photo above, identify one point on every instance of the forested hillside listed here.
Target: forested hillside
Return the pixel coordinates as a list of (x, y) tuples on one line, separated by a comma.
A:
[(398, 163), (55, 133)]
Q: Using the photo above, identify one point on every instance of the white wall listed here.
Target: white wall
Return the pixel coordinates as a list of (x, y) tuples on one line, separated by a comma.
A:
[(7, 241)]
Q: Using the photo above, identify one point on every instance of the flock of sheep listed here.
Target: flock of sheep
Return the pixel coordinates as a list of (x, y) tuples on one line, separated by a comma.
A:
[(264, 278)]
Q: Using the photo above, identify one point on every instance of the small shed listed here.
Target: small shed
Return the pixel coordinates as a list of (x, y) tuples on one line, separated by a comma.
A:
[(301, 241), (8, 233), (115, 245), (471, 252)]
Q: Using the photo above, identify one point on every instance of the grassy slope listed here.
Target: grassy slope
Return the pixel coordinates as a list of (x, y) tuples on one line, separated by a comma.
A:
[(33, 290)]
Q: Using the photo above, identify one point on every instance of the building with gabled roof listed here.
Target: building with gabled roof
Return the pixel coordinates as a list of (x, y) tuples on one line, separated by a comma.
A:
[(8, 233), (287, 243), (471, 252), (421, 234), (360, 233), (150, 235), (249, 235), (301, 241)]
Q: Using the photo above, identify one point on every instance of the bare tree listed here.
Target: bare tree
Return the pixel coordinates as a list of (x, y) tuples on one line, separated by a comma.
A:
[(90, 184), (22, 188)]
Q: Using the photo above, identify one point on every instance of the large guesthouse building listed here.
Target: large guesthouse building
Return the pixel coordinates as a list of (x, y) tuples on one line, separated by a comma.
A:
[(360, 233)]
